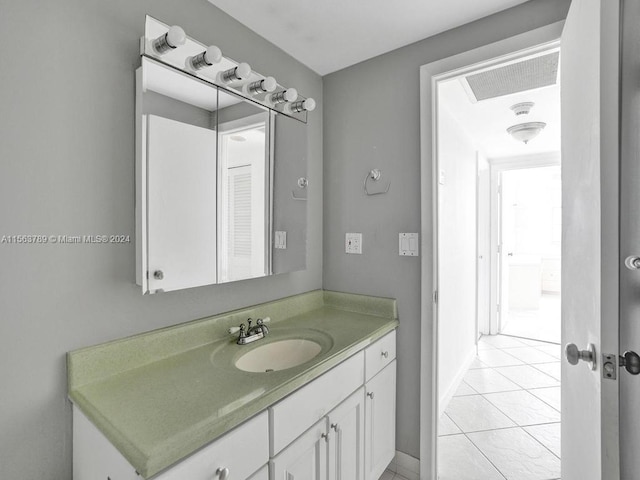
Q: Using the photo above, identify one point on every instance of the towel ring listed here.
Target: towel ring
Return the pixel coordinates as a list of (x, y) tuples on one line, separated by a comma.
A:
[(374, 175)]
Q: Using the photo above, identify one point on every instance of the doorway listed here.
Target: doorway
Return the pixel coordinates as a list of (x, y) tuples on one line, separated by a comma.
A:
[(530, 202), (498, 381)]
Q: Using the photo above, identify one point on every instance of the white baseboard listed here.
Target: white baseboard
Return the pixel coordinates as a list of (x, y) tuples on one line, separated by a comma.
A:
[(405, 465), (445, 397)]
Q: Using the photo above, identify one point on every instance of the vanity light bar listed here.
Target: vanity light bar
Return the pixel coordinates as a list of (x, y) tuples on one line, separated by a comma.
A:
[(266, 85), (288, 95), (241, 72), (205, 59), (194, 58), (307, 105), (174, 38)]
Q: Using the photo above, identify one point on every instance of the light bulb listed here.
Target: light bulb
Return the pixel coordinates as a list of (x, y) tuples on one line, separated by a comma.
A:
[(170, 40), (265, 85), (241, 72), (288, 95), (205, 59)]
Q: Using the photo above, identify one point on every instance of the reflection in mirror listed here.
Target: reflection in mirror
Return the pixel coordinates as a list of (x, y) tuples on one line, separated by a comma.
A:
[(290, 191), (179, 120), (243, 192)]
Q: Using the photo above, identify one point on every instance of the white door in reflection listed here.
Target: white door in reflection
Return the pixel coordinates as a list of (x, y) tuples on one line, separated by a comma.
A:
[(242, 169)]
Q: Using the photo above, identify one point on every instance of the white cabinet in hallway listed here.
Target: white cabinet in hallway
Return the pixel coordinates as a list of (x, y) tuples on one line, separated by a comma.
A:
[(380, 421)]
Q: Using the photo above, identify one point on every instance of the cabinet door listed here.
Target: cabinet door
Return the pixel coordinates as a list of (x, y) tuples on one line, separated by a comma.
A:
[(346, 439), (262, 474), (380, 421), (305, 458), (241, 452)]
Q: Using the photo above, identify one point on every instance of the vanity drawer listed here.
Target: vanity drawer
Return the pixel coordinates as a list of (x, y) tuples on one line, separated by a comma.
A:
[(379, 355), (295, 414), (242, 450)]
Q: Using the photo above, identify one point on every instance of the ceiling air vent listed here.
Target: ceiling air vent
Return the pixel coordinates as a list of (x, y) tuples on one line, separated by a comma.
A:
[(533, 73)]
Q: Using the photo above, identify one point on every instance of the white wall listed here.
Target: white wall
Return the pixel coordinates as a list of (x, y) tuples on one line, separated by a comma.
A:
[(372, 119), (67, 167), (457, 253)]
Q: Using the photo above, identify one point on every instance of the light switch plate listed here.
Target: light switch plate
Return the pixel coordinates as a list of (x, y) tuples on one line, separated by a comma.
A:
[(408, 244), (280, 240), (353, 243)]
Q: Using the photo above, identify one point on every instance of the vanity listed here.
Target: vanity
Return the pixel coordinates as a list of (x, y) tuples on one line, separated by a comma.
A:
[(312, 400)]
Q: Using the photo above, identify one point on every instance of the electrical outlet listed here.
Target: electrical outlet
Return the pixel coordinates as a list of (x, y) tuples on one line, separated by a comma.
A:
[(353, 243)]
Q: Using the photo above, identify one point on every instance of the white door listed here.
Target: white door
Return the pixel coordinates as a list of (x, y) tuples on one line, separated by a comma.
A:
[(630, 239), (590, 265), (346, 439), (181, 176), (305, 458), (380, 422)]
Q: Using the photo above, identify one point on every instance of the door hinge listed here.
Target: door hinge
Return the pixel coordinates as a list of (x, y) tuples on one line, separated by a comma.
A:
[(435, 296)]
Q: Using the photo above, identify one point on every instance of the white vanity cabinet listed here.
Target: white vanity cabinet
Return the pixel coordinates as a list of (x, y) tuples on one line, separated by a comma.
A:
[(339, 426), (240, 454), (332, 449), (346, 439), (305, 458)]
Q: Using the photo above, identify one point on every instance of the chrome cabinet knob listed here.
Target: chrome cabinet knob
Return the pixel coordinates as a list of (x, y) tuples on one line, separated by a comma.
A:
[(574, 354), (222, 473), (370, 395), (334, 426), (158, 275), (325, 436), (385, 354)]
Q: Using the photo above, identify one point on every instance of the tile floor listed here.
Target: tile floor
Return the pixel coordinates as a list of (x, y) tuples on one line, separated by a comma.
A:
[(389, 475), (504, 420)]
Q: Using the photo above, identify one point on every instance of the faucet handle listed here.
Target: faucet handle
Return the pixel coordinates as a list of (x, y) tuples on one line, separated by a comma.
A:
[(241, 329), (263, 320)]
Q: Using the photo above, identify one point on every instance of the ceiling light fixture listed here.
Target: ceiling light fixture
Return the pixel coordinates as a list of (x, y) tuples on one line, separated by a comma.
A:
[(522, 108), (525, 132)]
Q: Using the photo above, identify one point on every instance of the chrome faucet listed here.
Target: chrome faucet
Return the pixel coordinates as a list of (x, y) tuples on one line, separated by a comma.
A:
[(250, 334)]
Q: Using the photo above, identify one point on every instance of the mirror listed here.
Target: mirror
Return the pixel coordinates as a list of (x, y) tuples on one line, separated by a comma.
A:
[(290, 188), (243, 189), (220, 184)]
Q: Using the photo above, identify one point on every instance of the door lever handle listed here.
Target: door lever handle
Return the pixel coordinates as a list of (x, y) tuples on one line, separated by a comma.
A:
[(574, 354), (631, 362)]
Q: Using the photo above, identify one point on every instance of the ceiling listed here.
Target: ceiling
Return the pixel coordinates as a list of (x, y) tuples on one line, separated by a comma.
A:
[(330, 35), (486, 121)]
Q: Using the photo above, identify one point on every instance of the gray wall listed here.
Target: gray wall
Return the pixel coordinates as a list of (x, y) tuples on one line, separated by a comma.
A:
[(372, 119), (67, 153)]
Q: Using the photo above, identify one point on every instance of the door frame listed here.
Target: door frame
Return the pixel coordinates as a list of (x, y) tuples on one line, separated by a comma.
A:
[(510, 49), (496, 168)]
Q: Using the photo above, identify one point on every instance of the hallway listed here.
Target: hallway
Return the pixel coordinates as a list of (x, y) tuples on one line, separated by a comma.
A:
[(504, 420)]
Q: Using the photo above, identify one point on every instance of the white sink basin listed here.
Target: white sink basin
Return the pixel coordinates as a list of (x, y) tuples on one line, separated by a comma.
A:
[(279, 355)]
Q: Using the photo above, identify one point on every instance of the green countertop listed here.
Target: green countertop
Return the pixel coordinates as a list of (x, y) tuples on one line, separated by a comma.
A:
[(162, 395)]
